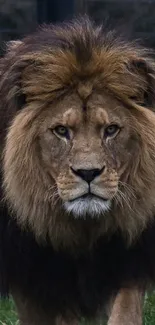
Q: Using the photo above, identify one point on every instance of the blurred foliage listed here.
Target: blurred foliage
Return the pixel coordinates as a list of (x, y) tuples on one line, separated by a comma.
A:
[(149, 310), (133, 17), (17, 18)]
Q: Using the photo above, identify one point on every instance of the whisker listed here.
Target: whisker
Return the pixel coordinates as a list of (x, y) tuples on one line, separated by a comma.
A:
[(128, 188), (125, 199), (122, 198), (118, 200)]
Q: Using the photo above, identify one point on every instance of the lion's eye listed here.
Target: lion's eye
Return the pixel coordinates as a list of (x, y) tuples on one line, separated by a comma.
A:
[(111, 130), (62, 131)]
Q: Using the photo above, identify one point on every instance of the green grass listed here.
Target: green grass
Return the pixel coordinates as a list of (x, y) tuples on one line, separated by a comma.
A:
[(8, 315), (149, 310)]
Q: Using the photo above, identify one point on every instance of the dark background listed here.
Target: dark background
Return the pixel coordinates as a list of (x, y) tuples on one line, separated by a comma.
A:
[(135, 17)]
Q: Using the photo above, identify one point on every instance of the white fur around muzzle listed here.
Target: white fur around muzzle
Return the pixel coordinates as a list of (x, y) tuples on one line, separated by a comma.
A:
[(87, 206)]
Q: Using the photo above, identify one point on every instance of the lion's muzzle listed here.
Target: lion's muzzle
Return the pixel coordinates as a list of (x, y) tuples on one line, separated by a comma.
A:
[(88, 192)]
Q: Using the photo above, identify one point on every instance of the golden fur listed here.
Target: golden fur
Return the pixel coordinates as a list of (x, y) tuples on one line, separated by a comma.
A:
[(84, 86)]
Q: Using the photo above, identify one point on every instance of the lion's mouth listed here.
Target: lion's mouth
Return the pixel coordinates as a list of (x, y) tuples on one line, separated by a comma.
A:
[(88, 205), (89, 196)]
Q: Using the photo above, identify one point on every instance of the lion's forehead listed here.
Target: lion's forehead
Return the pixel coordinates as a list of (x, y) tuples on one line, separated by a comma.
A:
[(73, 111)]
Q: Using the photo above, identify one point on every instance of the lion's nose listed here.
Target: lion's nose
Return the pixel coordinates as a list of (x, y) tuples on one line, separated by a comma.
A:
[(88, 175)]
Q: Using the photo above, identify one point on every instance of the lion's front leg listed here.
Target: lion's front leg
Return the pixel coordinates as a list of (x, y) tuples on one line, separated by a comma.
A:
[(127, 308), (30, 313)]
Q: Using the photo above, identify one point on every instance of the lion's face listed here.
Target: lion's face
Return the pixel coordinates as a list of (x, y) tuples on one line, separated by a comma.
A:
[(81, 140), (85, 149)]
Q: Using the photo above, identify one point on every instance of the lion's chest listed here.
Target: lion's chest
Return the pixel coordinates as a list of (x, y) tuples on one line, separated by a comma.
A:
[(83, 283)]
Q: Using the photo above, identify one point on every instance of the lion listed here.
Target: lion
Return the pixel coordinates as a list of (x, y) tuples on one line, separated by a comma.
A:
[(77, 139)]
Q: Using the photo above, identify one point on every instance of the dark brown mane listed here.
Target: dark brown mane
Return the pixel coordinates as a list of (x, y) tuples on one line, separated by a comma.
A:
[(84, 50)]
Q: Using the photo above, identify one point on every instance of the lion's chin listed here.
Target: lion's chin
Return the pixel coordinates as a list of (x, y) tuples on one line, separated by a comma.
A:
[(87, 206)]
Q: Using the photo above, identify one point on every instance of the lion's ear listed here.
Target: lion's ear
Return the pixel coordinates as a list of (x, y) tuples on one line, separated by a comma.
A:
[(11, 66), (12, 98), (145, 71), (11, 46)]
